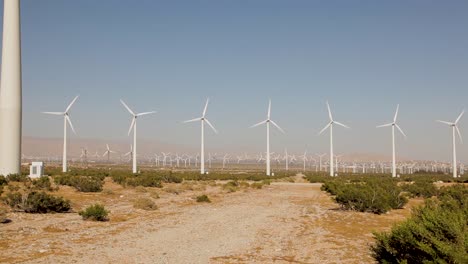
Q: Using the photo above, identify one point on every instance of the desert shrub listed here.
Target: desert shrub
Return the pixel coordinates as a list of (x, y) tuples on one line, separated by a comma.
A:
[(3, 180), (424, 189), (145, 204), (144, 180), (3, 215), (81, 183), (41, 202), (435, 233), (244, 184), (37, 202), (1, 190), (14, 200), (231, 186), (88, 184), (43, 183), (203, 199), (95, 212), (17, 178), (257, 185), (375, 195)]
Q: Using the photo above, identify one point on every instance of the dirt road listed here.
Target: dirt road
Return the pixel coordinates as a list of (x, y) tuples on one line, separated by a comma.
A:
[(281, 223)]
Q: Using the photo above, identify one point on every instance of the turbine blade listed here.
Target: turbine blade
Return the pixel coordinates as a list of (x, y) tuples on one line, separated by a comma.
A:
[(340, 124), (206, 107), (276, 125), (107, 146), (325, 128), (53, 113), (259, 123), (212, 127), (460, 116), (193, 120), (132, 125), (269, 109), (70, 105), (386, 125), (329, 112), (459, 134), (401, 130), (70, 123), (445, 122), (126, 106), (105, 153), (396, 113), (146, 113)]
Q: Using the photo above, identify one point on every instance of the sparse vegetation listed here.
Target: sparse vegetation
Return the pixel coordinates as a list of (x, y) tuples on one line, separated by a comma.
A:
[(203, 199), (95, 212), (43, 183), (145, 204), (435, 233)]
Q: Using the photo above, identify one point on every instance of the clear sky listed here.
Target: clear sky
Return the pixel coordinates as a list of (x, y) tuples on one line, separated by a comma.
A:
[(168, 56)]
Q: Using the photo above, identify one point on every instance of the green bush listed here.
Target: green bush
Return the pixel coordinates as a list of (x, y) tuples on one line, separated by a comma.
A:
[(375, 195), (3, 180), (425, 189), (81, 183), (17, 178), (203, 199), (144, 180), (41, 202), (88, 184), (43, 183), (37, 202), (95, 212), (435, 233)]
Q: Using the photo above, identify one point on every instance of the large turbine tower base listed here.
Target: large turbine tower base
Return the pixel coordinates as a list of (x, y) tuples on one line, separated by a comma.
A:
[(10, 91)]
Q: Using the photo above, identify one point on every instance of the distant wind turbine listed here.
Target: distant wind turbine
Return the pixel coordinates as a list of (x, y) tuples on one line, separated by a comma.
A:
[(108, 152), (267, 122), (66, 119), (393, 125), (454, 126), (203, 119), (330, 125), (133, 126)]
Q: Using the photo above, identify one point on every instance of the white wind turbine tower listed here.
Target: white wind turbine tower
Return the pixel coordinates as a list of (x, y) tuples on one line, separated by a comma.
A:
[(393, 125), (267, 122), (454, 126), (66, 119), (203, 119), (133, 126), (330, 125)]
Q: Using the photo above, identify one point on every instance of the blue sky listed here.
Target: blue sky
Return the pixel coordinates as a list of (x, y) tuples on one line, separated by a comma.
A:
[(363, 56)]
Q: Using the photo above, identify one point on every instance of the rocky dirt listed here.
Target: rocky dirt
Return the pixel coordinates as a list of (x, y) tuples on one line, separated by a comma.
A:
[(281, 223)]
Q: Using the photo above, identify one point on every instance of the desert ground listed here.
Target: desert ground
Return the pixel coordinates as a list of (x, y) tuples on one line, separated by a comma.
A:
[(285, 222)]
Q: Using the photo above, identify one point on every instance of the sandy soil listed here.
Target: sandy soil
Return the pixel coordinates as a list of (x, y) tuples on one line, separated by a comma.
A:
[(281, 223)]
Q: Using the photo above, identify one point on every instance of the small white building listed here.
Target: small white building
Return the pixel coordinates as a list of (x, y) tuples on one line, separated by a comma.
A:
[(36, 170)]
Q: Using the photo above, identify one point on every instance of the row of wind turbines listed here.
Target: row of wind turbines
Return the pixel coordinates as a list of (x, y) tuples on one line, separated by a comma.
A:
[(268, 121)]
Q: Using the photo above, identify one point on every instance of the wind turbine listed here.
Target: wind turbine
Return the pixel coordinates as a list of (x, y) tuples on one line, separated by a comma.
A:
[(454, 126), (133, 126), (267, 122), (66, 119), (330, 125), (203, 119), (393, 125), (130, 153), (108, 152)]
